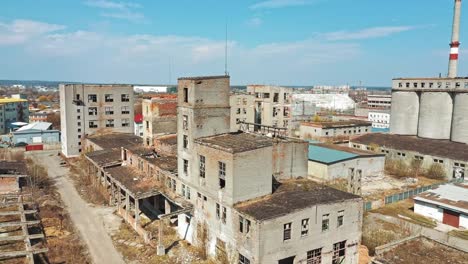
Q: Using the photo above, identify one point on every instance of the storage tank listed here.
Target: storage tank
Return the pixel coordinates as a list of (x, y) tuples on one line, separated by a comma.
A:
[(404, 113), (435, 115), (460, 118)]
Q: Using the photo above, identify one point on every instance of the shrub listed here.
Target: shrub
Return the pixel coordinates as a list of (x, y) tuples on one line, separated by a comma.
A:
[(436, 171), (397, 168)]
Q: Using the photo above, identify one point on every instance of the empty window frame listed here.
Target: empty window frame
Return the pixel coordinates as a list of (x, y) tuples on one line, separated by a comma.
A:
[(201, 166), (243, 260), (222, 174), (287, 228), (174, 185), (224, 215), (125, 97), (218, 211), (109, 110), (93, 124), (125, 110), (185, 141), (183, 190), (185, 122), (244, 225), (92, 98), (438, 161), (185, 95), (186, 164), (314, 256), (339, 252), (110, 123), (92, 111), (109, 98), (125, 122), (305, 227), (417, 157), (325, 222), (340, 218)]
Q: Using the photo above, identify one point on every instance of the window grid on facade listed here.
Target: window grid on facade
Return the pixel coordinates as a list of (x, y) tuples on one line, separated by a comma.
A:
[(125, 122), (92, 111), (110, 123), (125, 98), (287, 231), (339, 251), (314, 256), (92, 98), (305, 227), (222, 174), (93, 124), (202, 166), (109, 98), (109, 110), (125, 110)]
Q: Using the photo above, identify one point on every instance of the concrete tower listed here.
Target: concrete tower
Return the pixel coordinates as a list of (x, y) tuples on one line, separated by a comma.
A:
[(455, 44)]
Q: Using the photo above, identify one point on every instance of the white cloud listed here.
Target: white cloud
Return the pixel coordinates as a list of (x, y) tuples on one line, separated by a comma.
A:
[(255, 22), (271, 4), (118, 10), (374, 32), (19, 31)]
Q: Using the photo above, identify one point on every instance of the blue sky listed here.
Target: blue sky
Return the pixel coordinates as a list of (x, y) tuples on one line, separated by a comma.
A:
[(289, 42)]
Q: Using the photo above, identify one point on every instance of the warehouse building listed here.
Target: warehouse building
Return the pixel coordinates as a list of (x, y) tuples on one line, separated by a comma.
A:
[(447, 204), (41, 132), (334, 129)]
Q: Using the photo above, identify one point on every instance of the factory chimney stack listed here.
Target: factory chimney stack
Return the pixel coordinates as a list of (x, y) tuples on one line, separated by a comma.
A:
[(455, 44)]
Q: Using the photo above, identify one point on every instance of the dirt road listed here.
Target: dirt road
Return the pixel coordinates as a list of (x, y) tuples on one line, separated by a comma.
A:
[(87, 219)]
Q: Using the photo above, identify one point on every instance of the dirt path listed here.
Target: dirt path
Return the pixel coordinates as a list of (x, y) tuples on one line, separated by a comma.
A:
[(88, 220)]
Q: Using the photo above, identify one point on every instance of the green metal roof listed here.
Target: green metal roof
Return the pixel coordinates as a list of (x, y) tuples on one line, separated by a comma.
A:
[(328, 155)]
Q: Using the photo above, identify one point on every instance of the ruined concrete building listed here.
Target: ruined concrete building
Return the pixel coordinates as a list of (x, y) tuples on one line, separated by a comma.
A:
[(86, 109), (242, 109), (159, 117)]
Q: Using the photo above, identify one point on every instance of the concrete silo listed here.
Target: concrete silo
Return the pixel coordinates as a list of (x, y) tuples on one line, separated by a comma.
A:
[(460, 118), (435, 115), (404, 113)]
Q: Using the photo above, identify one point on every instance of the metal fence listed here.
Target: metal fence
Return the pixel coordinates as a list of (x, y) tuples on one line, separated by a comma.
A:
[(408, 194)]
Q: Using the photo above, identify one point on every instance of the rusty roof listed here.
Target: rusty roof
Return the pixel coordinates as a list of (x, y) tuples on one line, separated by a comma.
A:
[(133, 180), (103, 157), (236, 142), (292, 196), (338, 124), (162, 161), (448, 195), (432, 147), (115, 140), (13, 167), (168, 139)]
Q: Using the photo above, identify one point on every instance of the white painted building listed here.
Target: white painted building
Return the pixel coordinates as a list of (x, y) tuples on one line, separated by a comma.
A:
[(379, 118), (447, 204)]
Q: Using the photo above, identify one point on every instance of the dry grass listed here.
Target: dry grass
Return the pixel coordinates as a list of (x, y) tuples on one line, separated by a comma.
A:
[(459, 233), (405, 208)]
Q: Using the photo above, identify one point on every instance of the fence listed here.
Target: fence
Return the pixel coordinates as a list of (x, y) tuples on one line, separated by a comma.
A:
[(369, 205)]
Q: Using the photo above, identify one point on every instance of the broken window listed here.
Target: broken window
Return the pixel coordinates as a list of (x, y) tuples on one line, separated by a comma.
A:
[(238, 111), (174, 185), (110, 123), (202, 166), (125, 98), (183, 190), (218, 211), (325, 222), (243, 260), (125, 122), (188, 193), (93, 124), (244, 225), (314, 256), (92, 111), (339, 252), (438, 161), (340, 218), (223, 218), (287, 231), (222, 174), (266, 95), (92, 98), (109, 98), (244, 111), (185, 95), (185, 122), (305, 227), (147, 124), (185, 166), (109, 110), (125, 110), (286, 97), (185, 141), (286, 112), (275, 97)]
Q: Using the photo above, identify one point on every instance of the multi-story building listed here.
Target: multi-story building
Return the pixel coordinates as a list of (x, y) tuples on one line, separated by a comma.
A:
[(138, 125), (379, 101), (334, 129), (86, 109), (13, 110), (245, 217), (37, 117), (272, 105), (379, 118), (242, 109), (159, 116)]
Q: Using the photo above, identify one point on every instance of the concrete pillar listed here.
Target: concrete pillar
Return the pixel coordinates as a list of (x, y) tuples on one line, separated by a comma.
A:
[(119, 198), (137, 212), (112, 196), (127, 205), (167, 207), (160, 248)]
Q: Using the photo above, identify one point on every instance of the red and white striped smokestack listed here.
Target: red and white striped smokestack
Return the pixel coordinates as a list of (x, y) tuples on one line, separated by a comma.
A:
[(454, 46)]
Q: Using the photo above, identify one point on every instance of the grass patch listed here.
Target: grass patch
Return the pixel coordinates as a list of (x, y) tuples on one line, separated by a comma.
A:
[(405, 208), (460, 234)]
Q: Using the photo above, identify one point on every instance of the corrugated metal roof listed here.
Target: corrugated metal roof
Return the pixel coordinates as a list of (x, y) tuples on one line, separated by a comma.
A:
[(36, 126), (328, 155)]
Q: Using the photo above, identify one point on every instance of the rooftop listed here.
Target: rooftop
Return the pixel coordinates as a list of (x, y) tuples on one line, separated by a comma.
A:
[(105, 157), (11, 100), (432, 147), (451, 195), (168, 139), (138, 118), (432, 78), (330, 153), (338, 124), (12, 167), (164, 162), (115, 140), (199, 78), (36, 126), (133, 180), (292, 196), (236, 142)]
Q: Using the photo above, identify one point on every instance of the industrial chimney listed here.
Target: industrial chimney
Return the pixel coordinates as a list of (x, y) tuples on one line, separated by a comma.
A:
[(453, 62)]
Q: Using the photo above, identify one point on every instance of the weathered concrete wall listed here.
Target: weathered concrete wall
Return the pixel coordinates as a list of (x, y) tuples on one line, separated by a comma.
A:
[(242, 109), (311, 132), (372, 166), (290, 158), (273, 248), (159, 116), (428, 210)]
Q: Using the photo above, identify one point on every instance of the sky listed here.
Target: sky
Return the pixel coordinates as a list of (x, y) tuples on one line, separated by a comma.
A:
[(279, 42)]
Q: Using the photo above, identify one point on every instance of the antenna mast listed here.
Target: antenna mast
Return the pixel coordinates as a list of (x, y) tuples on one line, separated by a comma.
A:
[(226, 52)]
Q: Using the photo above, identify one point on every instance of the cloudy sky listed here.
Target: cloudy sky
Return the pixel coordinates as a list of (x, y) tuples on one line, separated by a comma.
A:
[(289, 42)]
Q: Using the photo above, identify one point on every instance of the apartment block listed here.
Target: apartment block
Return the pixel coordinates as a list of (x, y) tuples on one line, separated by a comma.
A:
[(242, 109), (13, 110), (159, 116), (87, 109)]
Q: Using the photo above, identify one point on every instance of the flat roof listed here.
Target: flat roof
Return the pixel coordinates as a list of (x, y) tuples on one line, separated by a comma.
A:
[(12, 100), (432, 147), (103, 157), (292, 196), (115, 140), (330, 153), (164, 162), (236, 142), (12, 167), (168, 139), (338, 124), (199, 78), (448, 195), (133, 180), (431, 78)]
